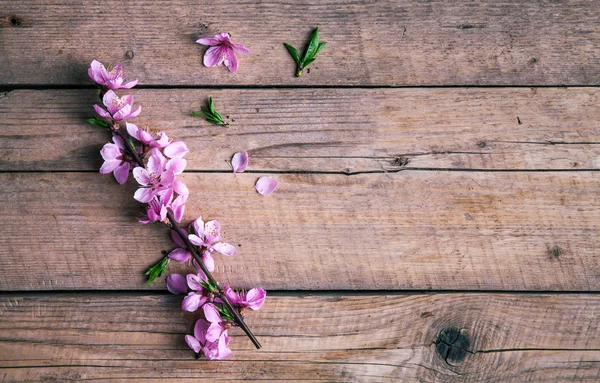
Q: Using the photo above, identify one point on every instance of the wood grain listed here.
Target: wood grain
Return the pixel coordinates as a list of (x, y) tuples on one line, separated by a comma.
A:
[(483, 42), (338, 338), (409, 230), (334, 130)]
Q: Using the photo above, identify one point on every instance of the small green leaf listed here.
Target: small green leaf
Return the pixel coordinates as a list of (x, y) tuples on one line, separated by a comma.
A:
[(308, 62), (311, 49), (319, 47), (293, 52), (210, 114), (157, 270), (211, 105), (98, 122)]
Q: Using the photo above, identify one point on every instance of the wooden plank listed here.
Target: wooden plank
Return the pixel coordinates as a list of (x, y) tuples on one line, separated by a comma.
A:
[(334, 338), (337, 130), (409, 230), (483, 42)]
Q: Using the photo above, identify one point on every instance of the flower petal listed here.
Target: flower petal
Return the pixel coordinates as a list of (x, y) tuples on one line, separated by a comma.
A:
[(230, 60), (214, 332), (240, 49), (110, 152), (141, 176), (211, 314), (223, 351), (109, 166), (143, 195), (212, 232), (239, 162), (130, 84), (209, 261), (194, 239), (177, 284), (225, 248), (176, 165), (193, 343), (200, 329), (122, 173), (180, 255), (176, 149), (193, 282), (265, 186), (192, 301), (102, 112), (233, 297), (210, 41), (180, 188), (213, 56), (177, 239), (198, 226), (256, 298)]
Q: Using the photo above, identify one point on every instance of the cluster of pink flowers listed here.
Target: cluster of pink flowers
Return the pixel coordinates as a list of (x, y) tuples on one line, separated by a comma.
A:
[(157, 161)]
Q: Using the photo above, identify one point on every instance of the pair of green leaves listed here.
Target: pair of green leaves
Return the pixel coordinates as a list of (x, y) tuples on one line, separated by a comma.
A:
[(211, 115), (310, 54), (157, 270)]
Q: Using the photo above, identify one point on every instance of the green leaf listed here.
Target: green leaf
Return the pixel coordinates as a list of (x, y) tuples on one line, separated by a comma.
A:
[(157, 270), (293, 52), (319, 47), (211, 105), (308, 62), (197, 114), (98, 122), (311, 49)]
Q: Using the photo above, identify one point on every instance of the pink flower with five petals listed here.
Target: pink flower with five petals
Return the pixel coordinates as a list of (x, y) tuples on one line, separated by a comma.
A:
[(154, 179), (212, 350), (222, 50), (253, 299), (148, 136), (116, 160), (111, 77), (207, 237), (119, 108)]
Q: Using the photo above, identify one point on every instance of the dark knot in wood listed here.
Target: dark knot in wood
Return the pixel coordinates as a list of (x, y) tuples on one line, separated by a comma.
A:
[(453, 345)]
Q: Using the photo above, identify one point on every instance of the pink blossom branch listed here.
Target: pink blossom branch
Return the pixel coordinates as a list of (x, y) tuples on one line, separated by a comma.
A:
[(173, 225), (238, 318)]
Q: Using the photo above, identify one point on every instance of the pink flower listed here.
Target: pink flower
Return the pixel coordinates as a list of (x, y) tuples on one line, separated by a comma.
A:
[(196, 297), (154, 179), (265, 186), (115, 160), (207, 237), (212, 350), (217, 326), (239, 162), (253, 299), (151, 137), (222, 50), (156, 210), (119, 108), (111, 78)]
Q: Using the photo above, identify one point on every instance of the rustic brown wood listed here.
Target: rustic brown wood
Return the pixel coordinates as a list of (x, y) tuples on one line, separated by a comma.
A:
[(338, 130), (408, 230), (484, 42), (334, 338)]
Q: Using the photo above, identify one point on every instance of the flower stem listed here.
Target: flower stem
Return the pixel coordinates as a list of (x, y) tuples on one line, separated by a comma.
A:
[(219, 292), (299, 72)]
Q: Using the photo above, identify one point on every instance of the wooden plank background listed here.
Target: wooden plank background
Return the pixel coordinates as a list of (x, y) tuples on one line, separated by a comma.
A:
[(434, 145), (483, 42)]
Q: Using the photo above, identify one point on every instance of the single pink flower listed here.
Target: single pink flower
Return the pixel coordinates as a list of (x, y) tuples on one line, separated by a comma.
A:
[(177, 284), (239, 162), (111, 77), (222, 50), (265, 186), (157, 208), (119, 108), (154, 179), (197, 296), (182, 254), (253, 299), (148, 136), (207, 237), (116, 160), (212, 350)]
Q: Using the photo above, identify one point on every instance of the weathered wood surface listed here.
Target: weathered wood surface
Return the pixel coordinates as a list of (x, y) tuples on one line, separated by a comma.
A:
[(335, 130), (333, 338), (484, 42), (407, 230)]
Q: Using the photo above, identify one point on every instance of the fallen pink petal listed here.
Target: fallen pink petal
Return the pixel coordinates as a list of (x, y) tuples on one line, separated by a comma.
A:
[(265, 186), (239, 162)]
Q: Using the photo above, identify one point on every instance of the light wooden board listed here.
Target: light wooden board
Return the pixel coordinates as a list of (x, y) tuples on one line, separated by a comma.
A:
[(335, 130), (483, 42), (333, 338), (408, 230)]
